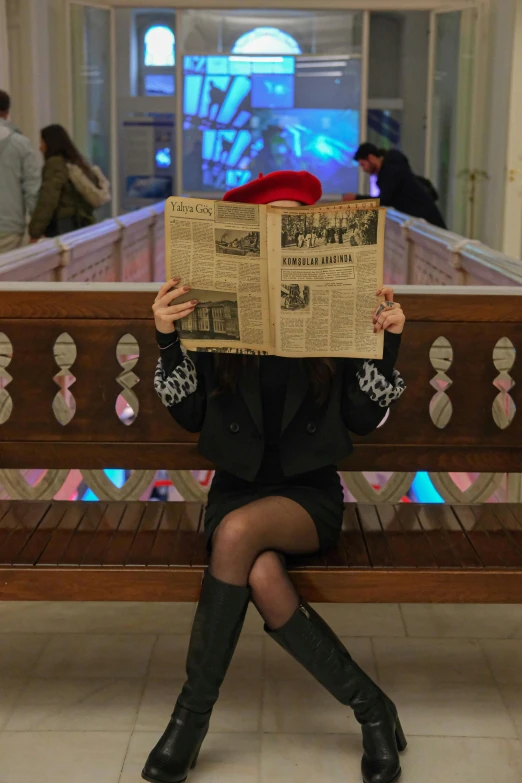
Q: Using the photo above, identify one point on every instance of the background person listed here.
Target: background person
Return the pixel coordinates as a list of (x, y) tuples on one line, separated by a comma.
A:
[(71, 188), (20, 177), (276, 428), (399, 186)]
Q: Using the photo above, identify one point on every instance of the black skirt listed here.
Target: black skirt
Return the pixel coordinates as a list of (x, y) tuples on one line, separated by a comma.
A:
[(319, 492)]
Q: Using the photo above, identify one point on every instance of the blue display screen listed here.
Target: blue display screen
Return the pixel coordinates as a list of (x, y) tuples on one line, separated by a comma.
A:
[(249, 115), (159, 84), (271, 91)]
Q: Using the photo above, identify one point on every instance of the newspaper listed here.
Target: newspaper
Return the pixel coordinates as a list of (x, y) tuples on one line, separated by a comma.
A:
[(295, 282)]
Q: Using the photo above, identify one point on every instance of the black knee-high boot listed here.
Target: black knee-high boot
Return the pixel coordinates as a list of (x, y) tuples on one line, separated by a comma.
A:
[(217, 626), (313, 644)]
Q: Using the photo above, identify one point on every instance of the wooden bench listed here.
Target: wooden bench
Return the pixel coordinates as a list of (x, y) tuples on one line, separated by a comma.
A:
[(131, 550)]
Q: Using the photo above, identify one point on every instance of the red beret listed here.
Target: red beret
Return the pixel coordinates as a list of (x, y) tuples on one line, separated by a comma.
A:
[(278, 186)]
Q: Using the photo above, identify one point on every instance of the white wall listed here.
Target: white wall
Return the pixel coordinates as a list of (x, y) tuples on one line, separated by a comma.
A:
[(37, 63), (4, 51)]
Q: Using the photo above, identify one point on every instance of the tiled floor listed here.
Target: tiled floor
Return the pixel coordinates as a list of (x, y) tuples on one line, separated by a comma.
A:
[(86, 689)]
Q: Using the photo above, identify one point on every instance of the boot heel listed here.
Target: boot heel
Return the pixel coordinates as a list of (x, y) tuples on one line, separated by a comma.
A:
[(196, 757), (400, 737)]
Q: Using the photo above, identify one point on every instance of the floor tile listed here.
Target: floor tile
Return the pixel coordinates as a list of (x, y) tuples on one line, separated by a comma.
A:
[(170, 652), (254, 623), (451, 710), (10, 691), (83, 656), (512, 695), (363, 619), (430, 660), (304, 708), (462, 760), (296, 758), (77, 705), (505, 659), (479, 621), (19, 653), (280, 665), (52, 756), (97, 617), (237, 710), (224, 758)]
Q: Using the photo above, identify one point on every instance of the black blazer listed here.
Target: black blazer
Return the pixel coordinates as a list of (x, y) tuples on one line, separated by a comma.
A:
[(312, 436)]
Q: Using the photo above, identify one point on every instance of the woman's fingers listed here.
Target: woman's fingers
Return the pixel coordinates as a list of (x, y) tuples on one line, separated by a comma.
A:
[(171, 317), (387, 292), (179, 308), (167, 298), (391, 320), (385, 308), (166, 287), (171, 295)]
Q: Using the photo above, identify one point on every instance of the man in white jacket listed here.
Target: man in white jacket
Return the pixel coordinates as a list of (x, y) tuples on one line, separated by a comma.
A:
[(20, 178)]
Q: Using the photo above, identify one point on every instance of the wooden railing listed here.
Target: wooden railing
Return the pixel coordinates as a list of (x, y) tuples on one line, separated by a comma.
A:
[(417, 253), (76, 369), (131, 249)]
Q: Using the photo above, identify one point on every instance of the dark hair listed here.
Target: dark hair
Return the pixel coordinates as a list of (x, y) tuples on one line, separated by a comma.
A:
[(367, 149), (5, 102), (229, 366), (58, 142)]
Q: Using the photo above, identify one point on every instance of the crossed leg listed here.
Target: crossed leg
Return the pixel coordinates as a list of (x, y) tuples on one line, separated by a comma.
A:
[(247, 548)]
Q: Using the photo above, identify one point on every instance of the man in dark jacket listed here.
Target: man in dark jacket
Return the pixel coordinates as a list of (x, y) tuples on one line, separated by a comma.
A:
[(399, 187)]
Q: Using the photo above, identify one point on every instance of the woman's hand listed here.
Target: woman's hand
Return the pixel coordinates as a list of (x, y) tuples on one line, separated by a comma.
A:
[(390, 317), (166, 313)]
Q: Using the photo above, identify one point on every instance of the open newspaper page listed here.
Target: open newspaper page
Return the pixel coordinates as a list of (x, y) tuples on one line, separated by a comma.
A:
[(220, 250), (326, 264)]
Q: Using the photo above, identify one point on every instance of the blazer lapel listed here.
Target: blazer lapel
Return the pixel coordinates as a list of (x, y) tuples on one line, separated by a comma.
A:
[(251, 393), (298, 384)]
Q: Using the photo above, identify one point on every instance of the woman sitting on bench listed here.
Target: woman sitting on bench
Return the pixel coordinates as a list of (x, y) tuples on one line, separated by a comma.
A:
[(276, 428)]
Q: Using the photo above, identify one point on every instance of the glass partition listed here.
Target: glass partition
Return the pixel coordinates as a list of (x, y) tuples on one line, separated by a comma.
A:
[(91, 86), (451, 113)]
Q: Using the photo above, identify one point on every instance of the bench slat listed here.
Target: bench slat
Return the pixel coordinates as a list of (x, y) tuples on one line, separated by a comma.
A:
[(123, 538), (17, 525), (488, 540), (62, 534), (377, 543), (145, 536), (352, 539), (34, 547)]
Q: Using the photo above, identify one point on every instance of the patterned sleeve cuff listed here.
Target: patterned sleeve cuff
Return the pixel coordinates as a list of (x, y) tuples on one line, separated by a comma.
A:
[(377, 387), (181, 382)]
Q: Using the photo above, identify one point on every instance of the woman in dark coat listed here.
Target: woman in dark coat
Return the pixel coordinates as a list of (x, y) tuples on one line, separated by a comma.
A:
[(61, 207), (275, 428)]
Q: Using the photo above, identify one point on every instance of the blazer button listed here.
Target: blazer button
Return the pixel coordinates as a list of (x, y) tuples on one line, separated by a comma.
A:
[(234, 428), (311, 427)]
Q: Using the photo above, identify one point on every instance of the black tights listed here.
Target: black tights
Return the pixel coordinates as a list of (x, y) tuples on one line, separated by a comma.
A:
[(249, 546)]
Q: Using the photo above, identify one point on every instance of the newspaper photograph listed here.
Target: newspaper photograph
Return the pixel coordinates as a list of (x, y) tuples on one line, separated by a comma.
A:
[(293, 282), (325, 265)]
